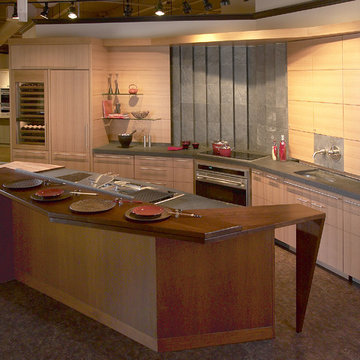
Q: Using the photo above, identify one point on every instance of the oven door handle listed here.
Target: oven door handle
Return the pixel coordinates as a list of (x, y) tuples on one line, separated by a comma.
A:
[(214, 180)]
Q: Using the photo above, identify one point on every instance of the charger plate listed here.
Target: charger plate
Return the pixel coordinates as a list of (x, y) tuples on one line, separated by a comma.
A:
[(92, 205), (131, 216), (63, 196), (23, 184)]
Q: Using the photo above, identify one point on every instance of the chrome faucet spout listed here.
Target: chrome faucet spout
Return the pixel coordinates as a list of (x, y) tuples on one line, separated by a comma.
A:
[(322, 151)]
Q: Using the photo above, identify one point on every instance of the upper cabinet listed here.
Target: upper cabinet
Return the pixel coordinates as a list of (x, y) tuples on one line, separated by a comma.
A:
[(69, 115), (66, 56)]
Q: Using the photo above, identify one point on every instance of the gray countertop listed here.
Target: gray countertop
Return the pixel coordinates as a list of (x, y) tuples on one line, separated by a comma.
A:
[(344, 185)]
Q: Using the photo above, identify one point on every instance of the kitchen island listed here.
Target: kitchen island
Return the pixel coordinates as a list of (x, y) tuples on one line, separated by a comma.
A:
[(180, 283)]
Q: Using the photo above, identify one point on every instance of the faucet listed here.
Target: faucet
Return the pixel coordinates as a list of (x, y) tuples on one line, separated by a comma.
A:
[(322, 151)]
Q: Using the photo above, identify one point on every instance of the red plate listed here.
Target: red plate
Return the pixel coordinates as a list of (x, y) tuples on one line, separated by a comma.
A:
[(147, 210), (51, 192)]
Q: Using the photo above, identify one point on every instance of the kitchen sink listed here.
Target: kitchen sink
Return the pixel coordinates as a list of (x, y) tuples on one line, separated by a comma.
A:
[(325, 176)]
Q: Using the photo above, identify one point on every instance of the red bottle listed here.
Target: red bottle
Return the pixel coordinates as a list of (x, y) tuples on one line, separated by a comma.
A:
[(274, 151), (282, 149)]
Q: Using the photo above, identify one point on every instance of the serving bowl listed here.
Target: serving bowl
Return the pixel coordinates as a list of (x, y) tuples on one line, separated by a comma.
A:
[(140, 114)]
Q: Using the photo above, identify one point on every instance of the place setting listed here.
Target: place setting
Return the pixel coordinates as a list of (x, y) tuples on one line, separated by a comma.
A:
[(50, 194)]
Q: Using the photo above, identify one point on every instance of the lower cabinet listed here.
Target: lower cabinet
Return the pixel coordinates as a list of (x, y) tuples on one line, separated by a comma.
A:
[(35, 156), (71, 160), (269, 189), (175, 173), (352, 237), (118, 164)]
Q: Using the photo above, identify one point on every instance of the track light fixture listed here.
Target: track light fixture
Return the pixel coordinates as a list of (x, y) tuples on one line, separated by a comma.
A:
[(159, 10), (44, 14), (128, 9), (72, 12), (225, 2), (207, 5), (15, 13), (186, 7)]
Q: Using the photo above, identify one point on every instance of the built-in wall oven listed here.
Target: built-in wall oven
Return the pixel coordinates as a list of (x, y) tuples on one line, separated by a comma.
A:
[(4, 100), (229, 183)]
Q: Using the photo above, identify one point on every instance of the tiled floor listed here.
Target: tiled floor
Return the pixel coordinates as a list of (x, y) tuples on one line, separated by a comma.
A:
[(35, 327)]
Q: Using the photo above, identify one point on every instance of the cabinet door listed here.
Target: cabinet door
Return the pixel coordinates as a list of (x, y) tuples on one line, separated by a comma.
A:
[(184, 174), (352, 238), (158, 170), (331, 245), (69, 118), (257, 188), (118, 164)]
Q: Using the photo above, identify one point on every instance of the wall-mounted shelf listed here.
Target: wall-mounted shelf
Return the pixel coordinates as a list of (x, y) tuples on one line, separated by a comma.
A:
[(122, 94), (109, 120)]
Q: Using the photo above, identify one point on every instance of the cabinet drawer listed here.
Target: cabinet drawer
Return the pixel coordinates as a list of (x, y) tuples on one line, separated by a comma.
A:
[(183, 163), (30, 156), (183, 175), (184, 186), (168, 184), (150, 172), (118, 164), (152, 161)]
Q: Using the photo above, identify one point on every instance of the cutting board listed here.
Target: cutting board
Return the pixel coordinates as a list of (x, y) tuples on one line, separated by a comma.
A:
[(29, 166)]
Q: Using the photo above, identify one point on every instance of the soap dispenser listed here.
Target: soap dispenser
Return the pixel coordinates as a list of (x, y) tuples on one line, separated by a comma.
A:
[(282, 149)]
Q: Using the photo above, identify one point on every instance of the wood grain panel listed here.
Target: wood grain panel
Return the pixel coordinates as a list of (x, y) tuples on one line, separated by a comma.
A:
[(301, 115), (300, 85), (90, 266), (301, 145), (351, 51), (328, 119), (351, 87), (327, 53), (37, 156), (352, 156), (328, 86), (299, 55), (233, 300), (351, 122)]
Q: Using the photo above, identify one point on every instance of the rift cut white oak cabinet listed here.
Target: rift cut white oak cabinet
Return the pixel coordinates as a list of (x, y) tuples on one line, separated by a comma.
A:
[(118, 164)]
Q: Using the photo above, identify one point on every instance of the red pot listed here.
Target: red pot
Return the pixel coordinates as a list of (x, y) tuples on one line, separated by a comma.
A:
[(225, 150), (216, 145)]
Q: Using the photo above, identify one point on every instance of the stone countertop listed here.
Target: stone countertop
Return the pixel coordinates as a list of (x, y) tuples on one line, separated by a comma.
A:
[(344, 185)]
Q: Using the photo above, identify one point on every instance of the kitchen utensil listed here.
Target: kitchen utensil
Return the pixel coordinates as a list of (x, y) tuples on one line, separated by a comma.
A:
[(125, 139), (133, 89), (49, 192), (179, 212), (140, 114), (216, 145), (82, 193), (23, 184), (225, 150), (92, 205)]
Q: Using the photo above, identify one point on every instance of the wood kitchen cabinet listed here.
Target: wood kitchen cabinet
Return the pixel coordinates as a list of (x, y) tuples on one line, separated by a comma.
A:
[(37, 156), (175, 173), (69, 118), (351, 210), (118, 164), (257, 188)]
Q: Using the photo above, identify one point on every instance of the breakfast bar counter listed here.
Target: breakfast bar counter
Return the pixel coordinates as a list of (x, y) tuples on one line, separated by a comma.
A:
[(179, 283)]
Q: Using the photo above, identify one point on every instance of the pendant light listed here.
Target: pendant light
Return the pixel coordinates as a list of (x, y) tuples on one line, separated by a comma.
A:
[(207, 5), (15, 13), (225, 2), (44, 14), (159, 10), (186, 7), (72, 12), (128, 9)]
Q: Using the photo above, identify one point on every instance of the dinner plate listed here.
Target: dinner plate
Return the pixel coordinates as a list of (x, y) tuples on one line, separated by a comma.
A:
[(23, 184), (49, 192), (130, 216), (92, 205), (63, 196), (147, 211)]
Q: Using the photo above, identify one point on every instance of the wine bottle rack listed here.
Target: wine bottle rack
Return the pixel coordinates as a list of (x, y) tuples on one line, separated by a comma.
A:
[(30, 113)]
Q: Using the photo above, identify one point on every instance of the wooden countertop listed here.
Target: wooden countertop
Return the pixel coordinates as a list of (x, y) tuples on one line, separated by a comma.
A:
[(214, 225)]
